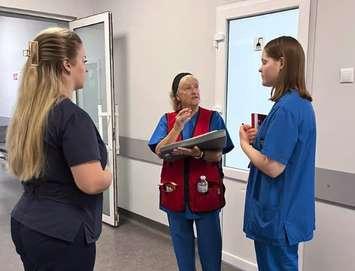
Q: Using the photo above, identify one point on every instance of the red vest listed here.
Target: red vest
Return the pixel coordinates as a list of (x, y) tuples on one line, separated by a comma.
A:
[(185, 173)]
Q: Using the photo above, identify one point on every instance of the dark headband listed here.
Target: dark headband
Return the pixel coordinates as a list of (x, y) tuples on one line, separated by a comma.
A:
[(177, 80)]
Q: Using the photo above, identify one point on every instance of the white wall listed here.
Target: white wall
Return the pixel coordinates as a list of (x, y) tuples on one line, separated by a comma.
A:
[(14, 36), (138, 189), (77, 8), (237, 249), (154, 39), (332, 248), (15, 32), (334, 102)]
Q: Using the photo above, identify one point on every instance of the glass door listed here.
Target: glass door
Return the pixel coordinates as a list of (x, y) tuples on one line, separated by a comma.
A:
[(97, 97)]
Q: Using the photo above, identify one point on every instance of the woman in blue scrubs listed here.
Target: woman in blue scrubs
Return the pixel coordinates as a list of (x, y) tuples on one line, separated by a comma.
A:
[(280, 203), (179, 195)]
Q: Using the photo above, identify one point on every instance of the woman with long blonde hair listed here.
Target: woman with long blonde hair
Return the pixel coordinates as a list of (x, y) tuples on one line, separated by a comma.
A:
[(55, 150)]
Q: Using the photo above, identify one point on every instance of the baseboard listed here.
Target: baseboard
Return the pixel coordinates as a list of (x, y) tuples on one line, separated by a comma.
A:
[(238, 262)]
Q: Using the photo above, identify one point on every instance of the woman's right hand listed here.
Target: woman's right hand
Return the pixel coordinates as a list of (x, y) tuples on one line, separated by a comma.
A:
[(181, 118), (251, 132)]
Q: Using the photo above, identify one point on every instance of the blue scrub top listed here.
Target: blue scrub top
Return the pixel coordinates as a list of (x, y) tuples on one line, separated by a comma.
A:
[(161, 132), (54, 205), (281, 210)]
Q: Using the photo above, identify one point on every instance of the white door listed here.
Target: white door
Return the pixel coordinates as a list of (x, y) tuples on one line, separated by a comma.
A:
[(98, 97)]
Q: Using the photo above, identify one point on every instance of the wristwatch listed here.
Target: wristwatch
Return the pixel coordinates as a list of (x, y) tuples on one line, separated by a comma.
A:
[(202, 154)]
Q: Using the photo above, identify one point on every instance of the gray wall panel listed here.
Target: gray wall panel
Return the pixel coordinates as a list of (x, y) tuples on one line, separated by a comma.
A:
[(137, 149), (335, 186), (331, 186)]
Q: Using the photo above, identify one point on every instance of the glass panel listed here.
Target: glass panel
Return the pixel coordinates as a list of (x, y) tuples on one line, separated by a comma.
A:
[(93, 97), (245, 93)]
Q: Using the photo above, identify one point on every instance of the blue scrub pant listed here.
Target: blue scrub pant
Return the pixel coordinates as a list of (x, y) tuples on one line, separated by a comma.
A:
[(209, 241), (276, 258)]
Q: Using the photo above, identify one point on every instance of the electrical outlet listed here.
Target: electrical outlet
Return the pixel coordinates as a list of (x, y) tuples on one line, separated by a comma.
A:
[(347, 75)]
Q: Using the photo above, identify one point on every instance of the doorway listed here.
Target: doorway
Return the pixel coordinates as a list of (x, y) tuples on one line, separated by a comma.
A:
[(97, 97)]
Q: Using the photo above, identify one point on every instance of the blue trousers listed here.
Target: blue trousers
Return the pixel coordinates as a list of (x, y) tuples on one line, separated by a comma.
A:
[(209, 240), (40, 252), (276, 258)]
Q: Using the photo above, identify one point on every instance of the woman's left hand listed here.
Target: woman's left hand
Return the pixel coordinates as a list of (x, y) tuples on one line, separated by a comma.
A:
[(194, 152), (209, 156), (251, 133)]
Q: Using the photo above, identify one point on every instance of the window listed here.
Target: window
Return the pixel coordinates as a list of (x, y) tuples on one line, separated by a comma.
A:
[(245, 94), (239, 92)]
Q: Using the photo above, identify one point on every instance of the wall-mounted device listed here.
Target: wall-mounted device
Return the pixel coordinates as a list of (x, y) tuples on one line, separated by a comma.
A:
[(218, 37)]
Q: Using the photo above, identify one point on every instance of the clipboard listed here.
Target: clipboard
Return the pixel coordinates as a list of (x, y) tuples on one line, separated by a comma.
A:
[(214, 140)]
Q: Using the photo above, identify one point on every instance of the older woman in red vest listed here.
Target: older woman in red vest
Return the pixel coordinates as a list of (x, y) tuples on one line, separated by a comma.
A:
[(180, 194)]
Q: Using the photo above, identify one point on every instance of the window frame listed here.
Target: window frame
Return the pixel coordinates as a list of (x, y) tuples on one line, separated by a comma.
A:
[(244, 9)]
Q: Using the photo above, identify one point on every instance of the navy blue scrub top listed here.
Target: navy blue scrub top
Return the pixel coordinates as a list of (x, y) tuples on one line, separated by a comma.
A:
[(53, 205), (161, 132), (281, 210)]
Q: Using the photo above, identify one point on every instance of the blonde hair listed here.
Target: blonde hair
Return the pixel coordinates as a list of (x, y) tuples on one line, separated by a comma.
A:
[(40, 89)]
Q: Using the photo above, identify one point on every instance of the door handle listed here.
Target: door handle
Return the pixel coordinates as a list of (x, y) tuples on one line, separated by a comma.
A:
[(101, 115)]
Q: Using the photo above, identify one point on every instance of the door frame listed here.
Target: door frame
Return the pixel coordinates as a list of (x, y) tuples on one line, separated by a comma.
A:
[(244, 9), (234, 11), (111, 114), (114, 108)]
